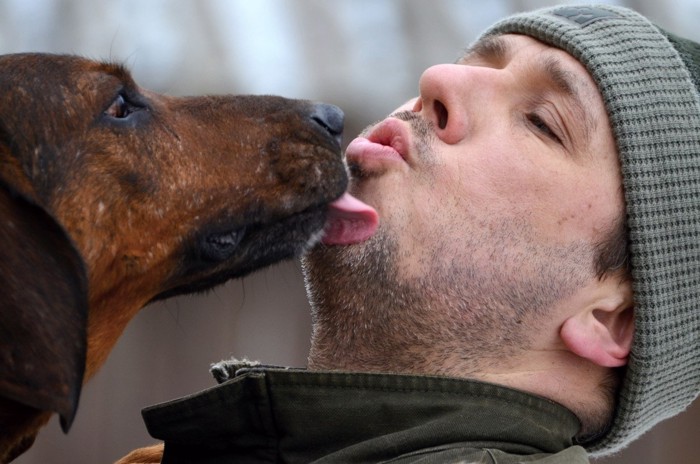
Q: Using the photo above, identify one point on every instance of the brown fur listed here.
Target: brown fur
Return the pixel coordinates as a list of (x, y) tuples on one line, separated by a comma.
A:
[(112, 197), (149, 455)]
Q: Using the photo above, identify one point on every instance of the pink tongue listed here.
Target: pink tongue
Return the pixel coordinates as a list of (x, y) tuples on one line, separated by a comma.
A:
[(349, 221)]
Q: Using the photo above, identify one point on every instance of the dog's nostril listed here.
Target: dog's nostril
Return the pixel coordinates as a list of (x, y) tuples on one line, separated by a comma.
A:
[(330, 117)]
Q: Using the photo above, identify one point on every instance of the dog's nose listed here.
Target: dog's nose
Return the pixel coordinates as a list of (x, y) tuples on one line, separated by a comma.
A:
[(331, 118)]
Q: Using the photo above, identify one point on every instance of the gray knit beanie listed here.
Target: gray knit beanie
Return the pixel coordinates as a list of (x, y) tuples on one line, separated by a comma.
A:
[(649, 81)]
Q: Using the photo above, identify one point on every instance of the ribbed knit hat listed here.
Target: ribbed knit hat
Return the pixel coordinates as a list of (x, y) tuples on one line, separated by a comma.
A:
[(649, 82)]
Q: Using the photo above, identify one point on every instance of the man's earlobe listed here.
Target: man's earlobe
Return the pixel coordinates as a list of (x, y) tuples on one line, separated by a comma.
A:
[(603, 331)]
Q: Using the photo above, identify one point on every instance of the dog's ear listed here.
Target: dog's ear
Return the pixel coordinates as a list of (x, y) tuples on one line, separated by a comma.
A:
[(43, 308)]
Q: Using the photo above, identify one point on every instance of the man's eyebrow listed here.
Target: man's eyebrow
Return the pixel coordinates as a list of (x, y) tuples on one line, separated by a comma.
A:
[(494, 48)]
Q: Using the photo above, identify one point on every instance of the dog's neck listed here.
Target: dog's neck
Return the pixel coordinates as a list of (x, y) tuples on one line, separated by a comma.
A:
[(123, 276), (112, 307)]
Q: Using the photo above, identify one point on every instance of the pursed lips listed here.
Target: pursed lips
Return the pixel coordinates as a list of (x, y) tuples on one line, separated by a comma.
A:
[(388, 141)]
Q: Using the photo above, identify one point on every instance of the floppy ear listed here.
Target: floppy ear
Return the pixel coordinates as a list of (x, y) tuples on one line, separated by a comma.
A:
[(43, 309), (602, 332)]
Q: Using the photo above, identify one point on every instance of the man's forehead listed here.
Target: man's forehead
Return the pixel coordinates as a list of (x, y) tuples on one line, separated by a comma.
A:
[(505, 45), (496, 49)]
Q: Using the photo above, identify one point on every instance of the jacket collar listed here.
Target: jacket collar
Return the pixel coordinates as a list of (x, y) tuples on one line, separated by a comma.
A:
[(300, 416)]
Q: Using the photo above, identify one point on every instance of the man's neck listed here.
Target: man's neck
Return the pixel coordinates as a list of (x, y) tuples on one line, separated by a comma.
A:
[(556, 375)]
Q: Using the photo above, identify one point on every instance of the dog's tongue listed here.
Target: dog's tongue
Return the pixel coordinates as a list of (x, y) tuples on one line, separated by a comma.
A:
[(349, 221)]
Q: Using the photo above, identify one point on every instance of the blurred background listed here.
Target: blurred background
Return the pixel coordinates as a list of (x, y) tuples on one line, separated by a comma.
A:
[(363, 55)]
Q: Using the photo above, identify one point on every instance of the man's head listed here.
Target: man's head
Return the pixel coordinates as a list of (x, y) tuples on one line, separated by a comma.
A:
[(500, 251)]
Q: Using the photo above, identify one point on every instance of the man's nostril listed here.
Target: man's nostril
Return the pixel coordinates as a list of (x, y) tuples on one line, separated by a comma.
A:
[(441, 112)]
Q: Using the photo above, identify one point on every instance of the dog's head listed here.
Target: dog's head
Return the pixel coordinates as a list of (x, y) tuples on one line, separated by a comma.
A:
[(112, 196)]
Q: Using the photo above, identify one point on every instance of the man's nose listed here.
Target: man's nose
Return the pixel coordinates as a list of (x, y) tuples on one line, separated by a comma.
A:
[(448, 99)]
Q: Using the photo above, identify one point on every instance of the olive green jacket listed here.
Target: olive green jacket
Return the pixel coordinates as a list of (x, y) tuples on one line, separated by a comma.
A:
[(272, 415)]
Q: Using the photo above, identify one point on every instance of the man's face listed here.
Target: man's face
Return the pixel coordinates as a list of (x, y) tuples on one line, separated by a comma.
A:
[(493, 188)]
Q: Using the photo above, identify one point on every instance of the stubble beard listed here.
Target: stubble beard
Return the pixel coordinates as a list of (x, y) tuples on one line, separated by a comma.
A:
[(458, 320)]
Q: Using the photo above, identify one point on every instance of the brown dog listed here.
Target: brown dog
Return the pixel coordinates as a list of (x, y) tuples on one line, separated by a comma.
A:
[(112, 197)]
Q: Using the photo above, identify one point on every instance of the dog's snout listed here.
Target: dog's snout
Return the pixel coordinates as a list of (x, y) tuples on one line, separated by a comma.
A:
[(331, 118)]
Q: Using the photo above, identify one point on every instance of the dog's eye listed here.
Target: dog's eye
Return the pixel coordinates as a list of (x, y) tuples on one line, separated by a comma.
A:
[(120, 108)]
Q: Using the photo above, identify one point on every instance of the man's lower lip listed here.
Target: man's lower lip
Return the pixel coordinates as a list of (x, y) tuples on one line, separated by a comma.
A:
[(361, 149)]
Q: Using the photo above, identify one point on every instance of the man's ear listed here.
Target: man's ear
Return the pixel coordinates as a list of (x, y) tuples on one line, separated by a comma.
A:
[(602, 331)]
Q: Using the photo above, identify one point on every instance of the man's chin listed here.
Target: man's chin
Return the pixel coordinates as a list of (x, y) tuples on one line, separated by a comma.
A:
[(338, 273), (326, 260)]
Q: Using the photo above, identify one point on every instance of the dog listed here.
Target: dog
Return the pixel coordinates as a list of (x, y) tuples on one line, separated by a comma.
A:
[(112, 197)]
